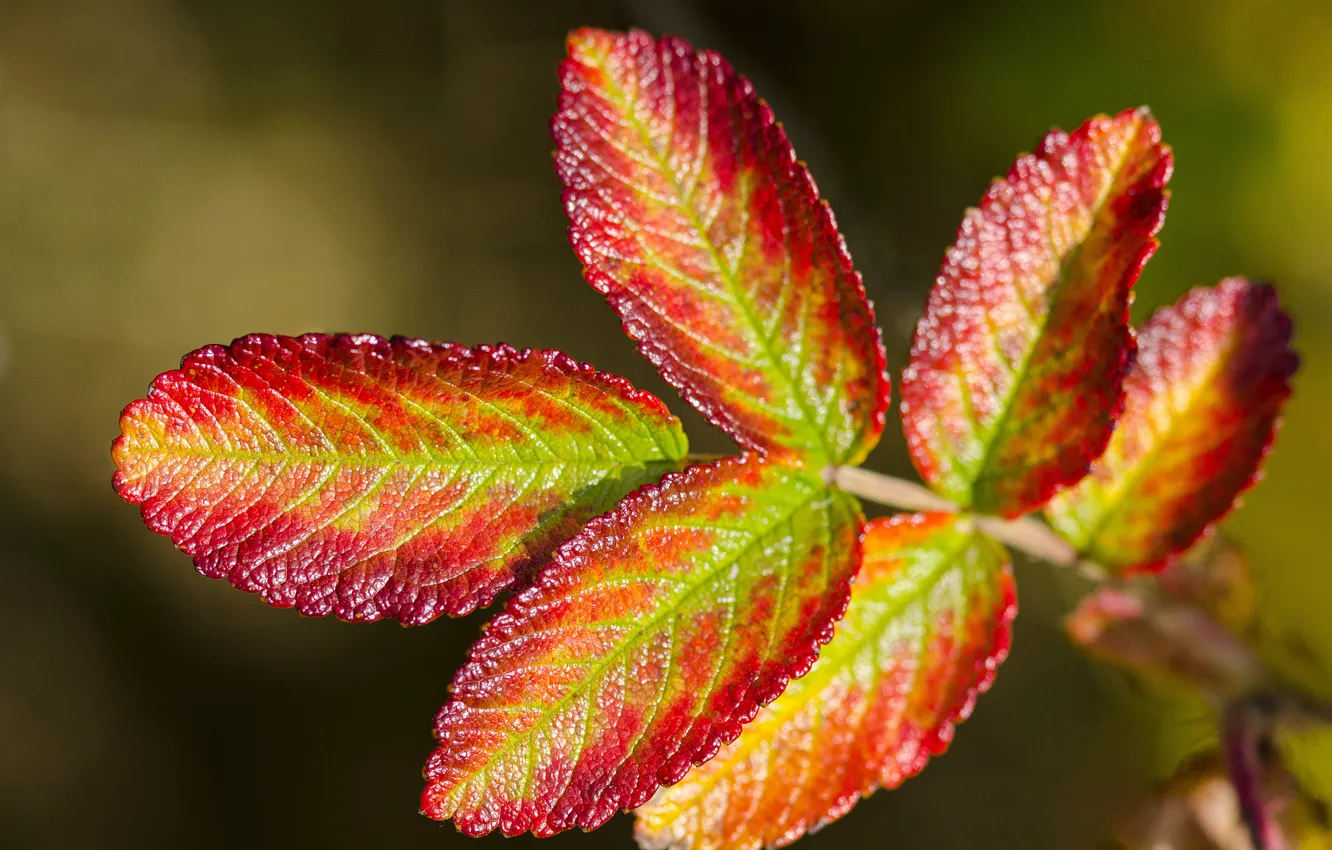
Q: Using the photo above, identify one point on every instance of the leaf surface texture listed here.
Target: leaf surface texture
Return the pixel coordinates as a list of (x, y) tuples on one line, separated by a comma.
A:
[(927, 626), (383, 478), (693, 217), (1202, 404), (655, 634), (1016, 370)]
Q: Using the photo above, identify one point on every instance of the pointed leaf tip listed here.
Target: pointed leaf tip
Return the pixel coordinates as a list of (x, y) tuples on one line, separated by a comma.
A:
[(657, 632), (1203, 402), (1016, 371), (378, 478), (693, 217)]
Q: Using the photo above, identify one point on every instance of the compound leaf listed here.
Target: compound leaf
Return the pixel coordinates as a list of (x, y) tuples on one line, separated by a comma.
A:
[(383, 478), (656, 633), (1016, 370), (693, 217), (927, 626), (1202, 403)]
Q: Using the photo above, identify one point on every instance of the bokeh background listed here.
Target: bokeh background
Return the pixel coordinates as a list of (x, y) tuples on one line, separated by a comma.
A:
[(180, 172)]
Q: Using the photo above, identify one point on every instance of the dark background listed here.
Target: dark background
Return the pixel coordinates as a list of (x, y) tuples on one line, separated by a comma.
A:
[(180, 172)]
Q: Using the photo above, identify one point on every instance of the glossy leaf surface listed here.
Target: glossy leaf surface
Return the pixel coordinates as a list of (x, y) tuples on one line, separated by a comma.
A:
[(1202, 405), (374, 478), (658, 631), (927, 626), (692, 216), (1017, 367)]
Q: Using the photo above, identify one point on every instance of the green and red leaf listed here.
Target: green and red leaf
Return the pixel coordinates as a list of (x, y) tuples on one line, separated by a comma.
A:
[(927, 627), (655, 634), (383, 478), (693, 217), (1202, 404), (1017, 367)]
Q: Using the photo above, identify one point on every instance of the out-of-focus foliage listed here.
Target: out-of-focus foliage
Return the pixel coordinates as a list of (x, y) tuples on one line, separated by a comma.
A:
[(1192, 627), (176, 172), (1199, 810)]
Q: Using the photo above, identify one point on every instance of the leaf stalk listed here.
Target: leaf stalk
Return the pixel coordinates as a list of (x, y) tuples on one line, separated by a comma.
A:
[(1027, 533)]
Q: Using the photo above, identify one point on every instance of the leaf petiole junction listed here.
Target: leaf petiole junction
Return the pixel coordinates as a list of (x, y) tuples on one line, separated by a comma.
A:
[(1027, 533)]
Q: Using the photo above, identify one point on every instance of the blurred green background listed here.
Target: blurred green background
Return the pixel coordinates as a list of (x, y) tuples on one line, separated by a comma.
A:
[(180, 172)]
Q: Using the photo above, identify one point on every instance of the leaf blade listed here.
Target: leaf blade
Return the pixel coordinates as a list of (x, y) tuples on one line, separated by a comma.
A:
[(1203, 402), (654, 635), (692, 216), (850, 726), (369, 477), (1016, 369)]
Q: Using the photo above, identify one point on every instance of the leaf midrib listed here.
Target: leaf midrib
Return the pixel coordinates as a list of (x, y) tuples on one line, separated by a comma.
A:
[(383, 460), (1118, 498), (666, 613), (756, 328), (1023, 372), (807, 689)]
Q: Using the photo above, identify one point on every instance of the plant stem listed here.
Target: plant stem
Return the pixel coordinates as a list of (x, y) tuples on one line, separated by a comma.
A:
[(888, 491), (1027, 533)]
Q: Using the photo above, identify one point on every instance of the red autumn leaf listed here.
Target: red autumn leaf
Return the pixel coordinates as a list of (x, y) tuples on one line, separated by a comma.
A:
[(1202, 404), (693, 217), (928, 625), (1016, 370), (657, 631), (383, 478)]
